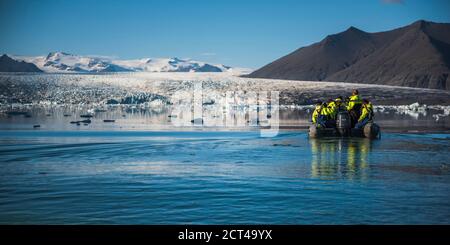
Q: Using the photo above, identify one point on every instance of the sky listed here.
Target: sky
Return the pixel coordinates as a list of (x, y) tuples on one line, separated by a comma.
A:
[(241, 33)]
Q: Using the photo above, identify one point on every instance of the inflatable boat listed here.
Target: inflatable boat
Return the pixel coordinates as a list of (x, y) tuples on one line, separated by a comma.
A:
[(343, 129)]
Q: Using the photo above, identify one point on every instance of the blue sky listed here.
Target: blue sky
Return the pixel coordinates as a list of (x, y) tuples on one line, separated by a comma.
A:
[(237, 33)]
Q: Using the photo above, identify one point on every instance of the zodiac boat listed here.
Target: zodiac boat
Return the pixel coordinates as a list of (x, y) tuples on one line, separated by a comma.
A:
[(343, 129)]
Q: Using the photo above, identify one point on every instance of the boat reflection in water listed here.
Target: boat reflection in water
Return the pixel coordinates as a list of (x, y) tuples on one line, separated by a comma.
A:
[(335, 158)]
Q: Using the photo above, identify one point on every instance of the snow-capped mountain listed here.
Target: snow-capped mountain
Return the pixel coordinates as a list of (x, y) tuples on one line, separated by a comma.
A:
[(169, 65), (64, 62)]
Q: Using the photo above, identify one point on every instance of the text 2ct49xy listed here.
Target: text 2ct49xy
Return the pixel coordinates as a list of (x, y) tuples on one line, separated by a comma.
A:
[(232, 234)]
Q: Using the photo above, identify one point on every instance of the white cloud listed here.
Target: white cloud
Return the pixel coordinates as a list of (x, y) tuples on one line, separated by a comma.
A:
[(208, 54), (102, 57)]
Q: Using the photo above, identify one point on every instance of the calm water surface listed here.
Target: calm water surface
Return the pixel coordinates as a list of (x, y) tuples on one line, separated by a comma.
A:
[(137, 177), (129, 117)]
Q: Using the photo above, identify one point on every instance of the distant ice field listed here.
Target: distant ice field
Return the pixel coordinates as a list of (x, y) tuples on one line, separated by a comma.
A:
[(151, 100)]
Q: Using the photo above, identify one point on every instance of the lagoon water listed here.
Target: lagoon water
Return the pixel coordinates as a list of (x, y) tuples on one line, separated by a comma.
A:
[(222, 177), (132, 117)]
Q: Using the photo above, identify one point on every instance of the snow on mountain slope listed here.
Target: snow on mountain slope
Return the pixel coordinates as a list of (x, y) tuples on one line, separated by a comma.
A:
[(64, 62), (169, 65)]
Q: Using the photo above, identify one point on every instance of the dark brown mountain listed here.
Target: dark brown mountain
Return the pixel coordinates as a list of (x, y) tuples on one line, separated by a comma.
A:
[(417, 55), (8, 64)]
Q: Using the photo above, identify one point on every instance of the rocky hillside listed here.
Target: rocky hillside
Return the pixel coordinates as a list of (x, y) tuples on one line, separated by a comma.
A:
[(7, 64), (417, 55)]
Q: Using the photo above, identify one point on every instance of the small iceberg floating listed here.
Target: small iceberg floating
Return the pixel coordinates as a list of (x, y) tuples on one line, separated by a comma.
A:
[(86, 121)]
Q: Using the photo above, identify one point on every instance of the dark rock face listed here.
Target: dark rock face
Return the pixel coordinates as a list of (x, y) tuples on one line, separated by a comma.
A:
[(417, 55), (208, 68), (8, 64)]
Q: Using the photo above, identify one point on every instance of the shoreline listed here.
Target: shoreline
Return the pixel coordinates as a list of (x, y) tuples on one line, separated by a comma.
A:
[(287, 129)]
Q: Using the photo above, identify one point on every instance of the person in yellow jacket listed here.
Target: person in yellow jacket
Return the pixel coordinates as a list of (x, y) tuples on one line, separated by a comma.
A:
[(332, 107), (321, 115), (340, 103), (336, 106), (354, 100), (317, 111), (354, 106), (366, 114)]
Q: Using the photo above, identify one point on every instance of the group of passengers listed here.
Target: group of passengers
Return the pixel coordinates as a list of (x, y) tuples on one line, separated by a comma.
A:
[(360, 110)]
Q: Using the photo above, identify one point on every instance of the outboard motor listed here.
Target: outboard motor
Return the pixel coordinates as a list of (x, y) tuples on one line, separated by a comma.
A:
[(372, 131), (343, 123)]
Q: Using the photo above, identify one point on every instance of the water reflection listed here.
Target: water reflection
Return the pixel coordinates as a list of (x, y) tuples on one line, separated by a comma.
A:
[(144, 117), (340, 158)]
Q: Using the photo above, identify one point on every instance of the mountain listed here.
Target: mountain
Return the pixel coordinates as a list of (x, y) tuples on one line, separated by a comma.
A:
[(64, 62), (8, 64), (417, 55), (59, 61), (170, 65)]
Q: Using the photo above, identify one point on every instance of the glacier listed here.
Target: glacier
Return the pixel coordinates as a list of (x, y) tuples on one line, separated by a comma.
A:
[(61, 62)]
